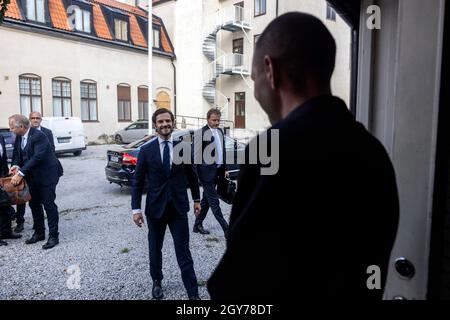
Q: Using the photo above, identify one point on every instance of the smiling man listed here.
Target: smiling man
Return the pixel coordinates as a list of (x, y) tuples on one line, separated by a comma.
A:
[(167, 202)]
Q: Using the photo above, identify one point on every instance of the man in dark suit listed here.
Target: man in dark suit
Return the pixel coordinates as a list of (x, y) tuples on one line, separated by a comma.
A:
[(167, 201), (34, 160), (5, 211), (35, 120), (331, 210), (212, 137)]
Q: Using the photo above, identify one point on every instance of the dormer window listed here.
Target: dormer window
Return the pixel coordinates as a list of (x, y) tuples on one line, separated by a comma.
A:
[(121, 29), (156, 38), (83, 21), (36, 10)]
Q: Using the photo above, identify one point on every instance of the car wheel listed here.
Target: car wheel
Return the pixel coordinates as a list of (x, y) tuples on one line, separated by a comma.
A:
[(77, 153), (119, 139)]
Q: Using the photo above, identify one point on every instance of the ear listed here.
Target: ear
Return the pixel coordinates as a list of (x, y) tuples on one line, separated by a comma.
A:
[(270, 71)]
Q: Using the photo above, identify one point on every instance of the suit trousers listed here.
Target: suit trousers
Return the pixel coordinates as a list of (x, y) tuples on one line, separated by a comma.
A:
[(179, 228), (211, 199), (20, 213), (5, 220), (43, 197)]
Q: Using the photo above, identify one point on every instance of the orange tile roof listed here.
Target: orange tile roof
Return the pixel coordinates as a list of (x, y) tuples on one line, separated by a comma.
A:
[(101, 28), (58, 15), (136, 33), (13, 11), (122, 6)]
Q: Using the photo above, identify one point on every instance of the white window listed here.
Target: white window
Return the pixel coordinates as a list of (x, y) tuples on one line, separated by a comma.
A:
[(30, 94), (36, 10), (83, 21), (260, 7), (156, 38), (121, 29)]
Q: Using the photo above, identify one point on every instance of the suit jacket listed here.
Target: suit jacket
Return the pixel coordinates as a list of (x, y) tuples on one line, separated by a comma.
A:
[(41, 165), (159, 186), (3, 159), (315, 227), (208, 172), (49, 135)]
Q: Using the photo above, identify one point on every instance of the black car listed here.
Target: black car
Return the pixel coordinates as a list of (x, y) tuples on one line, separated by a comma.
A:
[(9, 141), (122, 160)]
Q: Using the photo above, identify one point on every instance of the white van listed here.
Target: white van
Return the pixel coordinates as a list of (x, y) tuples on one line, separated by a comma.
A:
[(68, 134)]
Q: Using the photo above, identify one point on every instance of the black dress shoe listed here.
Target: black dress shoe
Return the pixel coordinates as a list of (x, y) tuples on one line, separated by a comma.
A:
[(3, 243), (52, 241), (19, 228), (35, 238), (196, 297), (11, 235), (200, 229), (157, 291)]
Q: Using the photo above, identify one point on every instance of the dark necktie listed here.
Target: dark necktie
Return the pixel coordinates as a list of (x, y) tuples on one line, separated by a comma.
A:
[(166, 158)]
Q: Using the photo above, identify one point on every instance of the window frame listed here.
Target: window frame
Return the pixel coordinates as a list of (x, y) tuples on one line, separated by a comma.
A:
[(89, 83), (118, 102), (62, 97), (260, 13), (143, 101), (121, 23), (29, 77), (45, 13), (156, 28)]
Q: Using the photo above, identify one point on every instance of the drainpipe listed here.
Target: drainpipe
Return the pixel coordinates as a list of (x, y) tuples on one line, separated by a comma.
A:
[(277, 9), (174, 87)]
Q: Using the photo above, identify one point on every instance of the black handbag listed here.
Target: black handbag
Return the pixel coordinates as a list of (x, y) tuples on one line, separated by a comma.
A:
[(226, 189)]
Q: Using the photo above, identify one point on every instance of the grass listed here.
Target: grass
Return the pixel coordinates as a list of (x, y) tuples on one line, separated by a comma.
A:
[(201, 283), (125, 250)]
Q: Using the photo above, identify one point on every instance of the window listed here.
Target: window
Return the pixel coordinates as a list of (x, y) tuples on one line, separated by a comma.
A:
[(162, 100), (260, 7), (121, 29), (88, 101), (124, 102), (83, 21), (143, 103), (36, 10), (62, 98), (30, 94), (331, 14), (238, 50), (239, 110), (156, 38)]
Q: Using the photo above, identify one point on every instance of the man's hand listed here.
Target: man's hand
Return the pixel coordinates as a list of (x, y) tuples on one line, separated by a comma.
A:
[(14, 170), (197, 208), (138, 219), (16, 179), (227, 174)]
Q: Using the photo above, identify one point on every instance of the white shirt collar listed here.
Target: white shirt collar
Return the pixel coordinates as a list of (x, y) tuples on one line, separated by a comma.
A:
[(160, 141), (26, 134), (39, 128)]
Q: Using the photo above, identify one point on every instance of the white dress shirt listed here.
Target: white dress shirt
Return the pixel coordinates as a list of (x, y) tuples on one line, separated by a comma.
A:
[(161, 149), (218, 142), (23, 145)]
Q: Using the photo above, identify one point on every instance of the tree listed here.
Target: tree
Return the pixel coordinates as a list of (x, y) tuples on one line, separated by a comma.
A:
[(3, 6)]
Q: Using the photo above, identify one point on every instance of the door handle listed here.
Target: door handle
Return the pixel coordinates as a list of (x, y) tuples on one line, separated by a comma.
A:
[(405, 268)]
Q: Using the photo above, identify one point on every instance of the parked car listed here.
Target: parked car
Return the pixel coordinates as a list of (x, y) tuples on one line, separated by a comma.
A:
[(135, 131), (9, 141), (121, 160), (68, 134)]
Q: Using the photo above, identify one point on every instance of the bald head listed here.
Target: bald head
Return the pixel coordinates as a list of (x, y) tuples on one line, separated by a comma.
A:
[(301, 47)]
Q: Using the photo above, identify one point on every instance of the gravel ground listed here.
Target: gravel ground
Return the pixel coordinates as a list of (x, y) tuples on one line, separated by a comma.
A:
[(98, 236)]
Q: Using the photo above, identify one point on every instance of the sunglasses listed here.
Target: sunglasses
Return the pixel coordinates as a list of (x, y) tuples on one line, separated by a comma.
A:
[(35, 118)]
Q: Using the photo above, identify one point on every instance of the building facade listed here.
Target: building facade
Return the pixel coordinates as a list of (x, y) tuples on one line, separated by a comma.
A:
[(86, 59), (215, 54)]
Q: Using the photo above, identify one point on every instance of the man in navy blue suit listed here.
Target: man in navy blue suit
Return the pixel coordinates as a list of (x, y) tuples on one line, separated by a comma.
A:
[(212, 138), (167, 201), (34, 160), (35, 120)]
